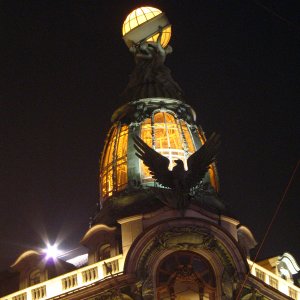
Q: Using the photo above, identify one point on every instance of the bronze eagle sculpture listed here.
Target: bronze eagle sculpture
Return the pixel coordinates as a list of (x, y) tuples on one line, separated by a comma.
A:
[(179, 180)]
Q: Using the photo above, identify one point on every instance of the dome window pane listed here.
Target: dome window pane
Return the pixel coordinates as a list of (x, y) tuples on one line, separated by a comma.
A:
[(169, 139), (188, 137), (113, 171)]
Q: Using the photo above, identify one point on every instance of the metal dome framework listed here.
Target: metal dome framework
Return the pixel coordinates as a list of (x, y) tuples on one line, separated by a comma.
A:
[(169, 136), (113, 172), (163, 130)]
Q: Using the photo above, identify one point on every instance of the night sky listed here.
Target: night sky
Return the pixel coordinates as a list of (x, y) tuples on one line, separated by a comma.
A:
[(63, 68)]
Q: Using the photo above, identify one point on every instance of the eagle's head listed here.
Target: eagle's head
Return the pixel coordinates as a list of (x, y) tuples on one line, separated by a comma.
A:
[(179, 163)]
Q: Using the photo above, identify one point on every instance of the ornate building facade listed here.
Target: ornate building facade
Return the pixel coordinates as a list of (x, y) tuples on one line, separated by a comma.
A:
[(149, 241)]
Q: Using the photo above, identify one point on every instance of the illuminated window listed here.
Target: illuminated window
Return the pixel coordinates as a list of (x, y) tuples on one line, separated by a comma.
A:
[(168, 136), (104, 252), (113, 171), (186, 276), (34, 277)]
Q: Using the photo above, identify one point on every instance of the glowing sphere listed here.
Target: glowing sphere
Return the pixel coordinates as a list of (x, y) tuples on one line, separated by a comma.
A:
[(143, 24)]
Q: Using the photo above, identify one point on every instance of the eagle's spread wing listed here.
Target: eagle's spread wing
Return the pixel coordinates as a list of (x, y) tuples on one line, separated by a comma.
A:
[(157, 164), (198, 163)]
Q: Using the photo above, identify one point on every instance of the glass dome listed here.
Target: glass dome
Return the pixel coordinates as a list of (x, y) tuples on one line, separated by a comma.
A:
[(162, 130)]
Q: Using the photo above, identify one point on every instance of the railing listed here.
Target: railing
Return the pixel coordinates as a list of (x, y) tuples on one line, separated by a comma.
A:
[(39, 293), (20, 297), (275, 281), (90, 274), (99, 271), (69, 281)]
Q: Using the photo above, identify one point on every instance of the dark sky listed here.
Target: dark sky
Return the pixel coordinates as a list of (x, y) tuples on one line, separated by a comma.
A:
[(63, 68)]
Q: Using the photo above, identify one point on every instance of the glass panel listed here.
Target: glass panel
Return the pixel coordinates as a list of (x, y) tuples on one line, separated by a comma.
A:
[(114, 164), (161, 139), (146, 10), (110, 186), (146, 132), (140, 16), (126, 28), (110, 149), (103, 184), (106, 167), (122, 158), (121, 173), (174, 137), (122, 142), (169, 118), (159, 118), (165, 38), (168, 139), (133, 23)]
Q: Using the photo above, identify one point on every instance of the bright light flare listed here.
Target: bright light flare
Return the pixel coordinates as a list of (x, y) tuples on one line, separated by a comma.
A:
[(52, 251)]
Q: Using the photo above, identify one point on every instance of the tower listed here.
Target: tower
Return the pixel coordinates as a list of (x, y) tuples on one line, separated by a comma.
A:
[(142, 244)]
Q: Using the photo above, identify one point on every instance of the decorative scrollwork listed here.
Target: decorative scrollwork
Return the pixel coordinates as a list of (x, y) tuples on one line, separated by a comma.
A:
[(186, 238)]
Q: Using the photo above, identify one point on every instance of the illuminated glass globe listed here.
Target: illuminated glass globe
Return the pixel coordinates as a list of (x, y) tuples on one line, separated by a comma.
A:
[(143, 24)]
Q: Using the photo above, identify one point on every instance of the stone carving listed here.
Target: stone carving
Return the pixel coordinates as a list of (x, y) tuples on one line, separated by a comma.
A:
[(186, 238), (229, 283), (190, 238)]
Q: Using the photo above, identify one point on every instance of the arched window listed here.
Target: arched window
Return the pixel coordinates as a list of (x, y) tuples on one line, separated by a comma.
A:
[(185, 275), (34, 277), (172, 138), (113, 176), (169, 136), (104, 252)]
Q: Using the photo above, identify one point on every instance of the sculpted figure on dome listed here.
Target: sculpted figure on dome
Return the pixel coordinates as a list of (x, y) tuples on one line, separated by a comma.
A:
[(178, 181), (150, 77)]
